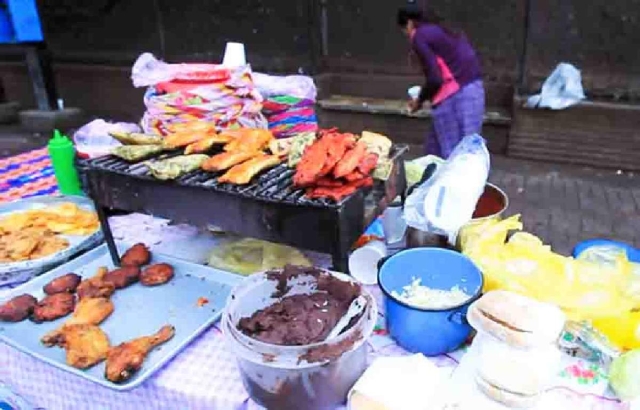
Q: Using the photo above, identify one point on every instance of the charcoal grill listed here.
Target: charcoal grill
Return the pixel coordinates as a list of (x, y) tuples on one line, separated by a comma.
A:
[(269, 208)]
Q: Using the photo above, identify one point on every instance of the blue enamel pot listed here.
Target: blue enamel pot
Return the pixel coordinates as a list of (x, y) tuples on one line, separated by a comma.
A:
[(431, 332)]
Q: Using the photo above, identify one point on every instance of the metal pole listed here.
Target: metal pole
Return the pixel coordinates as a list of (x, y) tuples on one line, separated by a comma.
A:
[(522, 69), (41, 73)]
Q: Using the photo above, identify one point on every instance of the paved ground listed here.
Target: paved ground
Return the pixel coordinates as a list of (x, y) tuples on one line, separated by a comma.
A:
[(561, 204), (564, 205)]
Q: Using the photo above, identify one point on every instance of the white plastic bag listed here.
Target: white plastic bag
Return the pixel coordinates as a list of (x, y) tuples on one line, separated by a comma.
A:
[(562, 89), (299, 86), (93, 139), (445, 202)]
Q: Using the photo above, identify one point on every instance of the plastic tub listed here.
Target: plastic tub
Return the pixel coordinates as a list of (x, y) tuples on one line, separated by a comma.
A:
[(278, 377), (429, 331)]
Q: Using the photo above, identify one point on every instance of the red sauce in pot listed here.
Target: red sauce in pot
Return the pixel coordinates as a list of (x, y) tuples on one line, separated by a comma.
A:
[(490, 203)]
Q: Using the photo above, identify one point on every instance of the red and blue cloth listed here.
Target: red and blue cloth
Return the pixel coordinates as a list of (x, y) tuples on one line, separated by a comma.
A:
[(26, 175), (289, 115)]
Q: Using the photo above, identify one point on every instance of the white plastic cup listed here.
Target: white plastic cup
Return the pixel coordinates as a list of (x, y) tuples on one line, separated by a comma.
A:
[(234, 55), (363, 262), (414, 92), (393, 224)]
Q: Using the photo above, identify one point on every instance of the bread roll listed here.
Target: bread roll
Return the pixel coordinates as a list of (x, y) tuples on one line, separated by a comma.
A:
[(506, 397), (517, 320)]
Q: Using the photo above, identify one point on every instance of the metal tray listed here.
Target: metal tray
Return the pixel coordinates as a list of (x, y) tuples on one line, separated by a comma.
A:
[(17, 272), (139, 311)]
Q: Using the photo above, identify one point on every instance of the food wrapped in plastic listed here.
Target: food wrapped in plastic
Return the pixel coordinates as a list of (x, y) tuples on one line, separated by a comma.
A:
[(583, 289), (247, 256)]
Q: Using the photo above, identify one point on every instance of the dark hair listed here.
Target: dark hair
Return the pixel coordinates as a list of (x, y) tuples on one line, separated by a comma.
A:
[(426, 16)]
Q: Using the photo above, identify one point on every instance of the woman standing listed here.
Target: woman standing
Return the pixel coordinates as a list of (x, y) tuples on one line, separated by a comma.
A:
[(453, 79)]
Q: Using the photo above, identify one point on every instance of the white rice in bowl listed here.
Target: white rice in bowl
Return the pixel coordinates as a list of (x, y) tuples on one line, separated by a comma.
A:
[(425, 297)]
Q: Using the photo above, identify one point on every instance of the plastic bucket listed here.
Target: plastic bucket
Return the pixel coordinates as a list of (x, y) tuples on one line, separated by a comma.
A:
[(277, 377), (431, 332)]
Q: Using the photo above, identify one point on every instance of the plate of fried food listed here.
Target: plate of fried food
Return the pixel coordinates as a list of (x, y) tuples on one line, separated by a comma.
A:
[(114, 326), (37, 233)]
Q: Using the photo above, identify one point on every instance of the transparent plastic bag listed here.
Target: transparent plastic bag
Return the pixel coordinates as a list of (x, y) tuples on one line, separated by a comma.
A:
[(93, 139), (446, 201), (562, 89), (299, 86), (585, 290)]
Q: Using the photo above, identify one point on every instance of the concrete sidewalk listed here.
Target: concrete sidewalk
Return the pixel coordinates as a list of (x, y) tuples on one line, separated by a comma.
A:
[(562, 204)]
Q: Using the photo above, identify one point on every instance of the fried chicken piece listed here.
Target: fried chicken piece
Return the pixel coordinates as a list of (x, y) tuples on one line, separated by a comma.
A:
[(157, 274), (96, 286), (368, 163), (205, 144), (90, 311), (227, 160), (312, 162), (65, 283), (249, 140), (53, 307), (338, 146), (243, 173), (124, 360), (85, 345), (123, 277), (350, 161), (18, 308), (137, 255)]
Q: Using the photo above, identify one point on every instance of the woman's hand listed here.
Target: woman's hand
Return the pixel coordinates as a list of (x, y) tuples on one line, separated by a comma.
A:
[(413, 106)]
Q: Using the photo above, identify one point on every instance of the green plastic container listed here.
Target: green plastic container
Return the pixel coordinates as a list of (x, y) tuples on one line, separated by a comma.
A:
[(63, 155)]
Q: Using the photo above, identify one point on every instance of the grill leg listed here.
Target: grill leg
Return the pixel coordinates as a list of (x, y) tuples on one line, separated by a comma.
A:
[(340, 260), (108, 235)]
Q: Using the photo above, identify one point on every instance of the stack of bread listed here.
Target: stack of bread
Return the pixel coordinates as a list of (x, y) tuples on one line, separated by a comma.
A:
[(516, 346)]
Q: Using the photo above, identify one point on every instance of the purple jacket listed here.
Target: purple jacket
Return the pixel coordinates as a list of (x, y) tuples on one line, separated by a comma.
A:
[(431, 40)]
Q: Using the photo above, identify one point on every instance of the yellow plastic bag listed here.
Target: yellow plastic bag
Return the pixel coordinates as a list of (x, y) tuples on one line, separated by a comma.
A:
[(524, 264), (246, 256)]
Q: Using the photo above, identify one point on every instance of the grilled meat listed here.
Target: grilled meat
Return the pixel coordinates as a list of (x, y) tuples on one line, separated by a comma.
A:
[(249, 140), (123, 277), (205, 144), (312, 162), (368, 163), (338, 146), (65, 283), (350, 161), (337, 193), (179, 140), (96, 286), (227, 160), (243, 173)]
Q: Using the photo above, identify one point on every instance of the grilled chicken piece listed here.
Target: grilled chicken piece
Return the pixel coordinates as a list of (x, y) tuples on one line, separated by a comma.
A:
[(133, 153), (91, 311), (226, 160), (124, 360), (350, 161), (338, 146), (86, 345), (122, 277), (96, 286), (157, 274), (179, 140), (337, 193), (368, 163), (250, 140), (243, 173), (310, 166), (205, 144), (134, 138), (175, 167), (190, 127)]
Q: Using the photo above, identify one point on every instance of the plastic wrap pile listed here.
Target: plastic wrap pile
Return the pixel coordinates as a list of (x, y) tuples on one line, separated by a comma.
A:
[(179, 93), (289, 103)]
